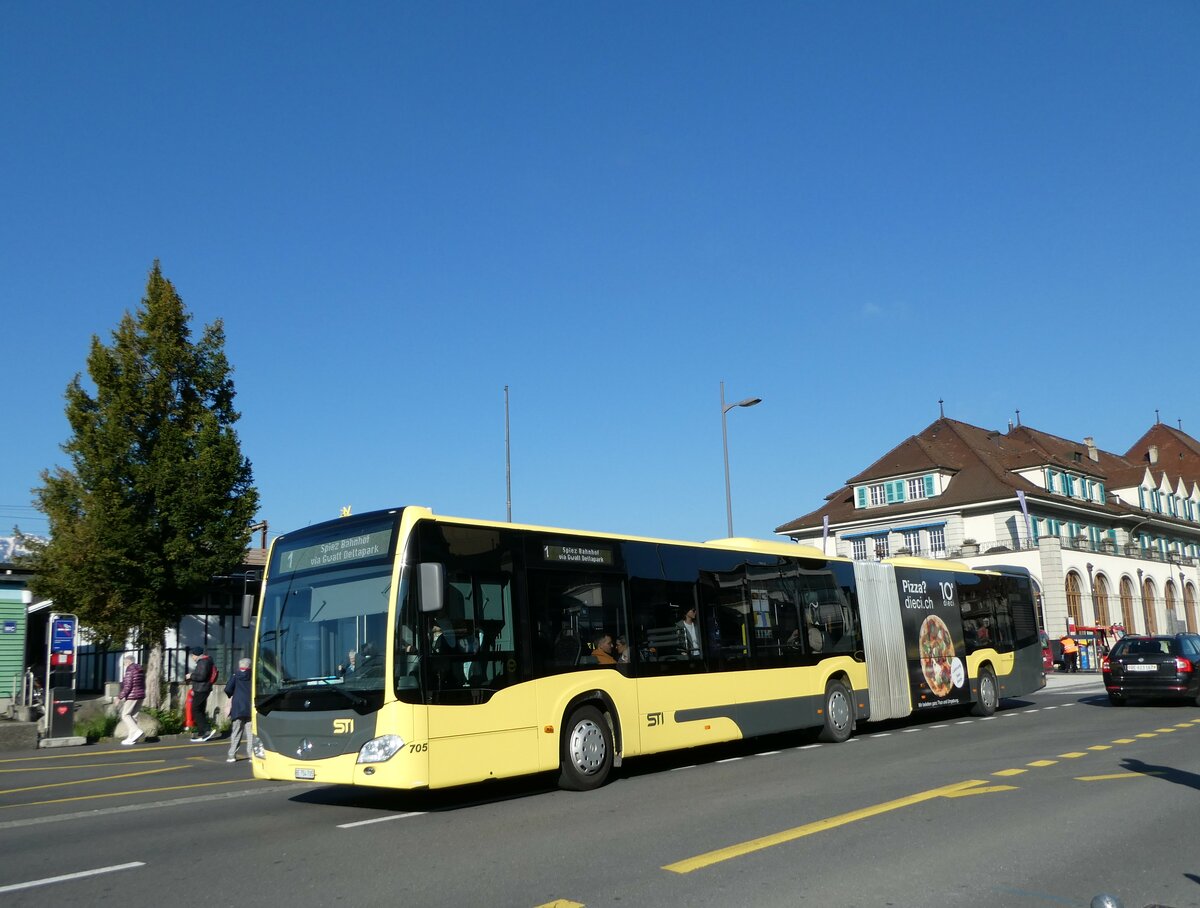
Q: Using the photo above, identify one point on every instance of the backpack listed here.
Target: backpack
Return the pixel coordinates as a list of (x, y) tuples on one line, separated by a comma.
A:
[(212, 673)]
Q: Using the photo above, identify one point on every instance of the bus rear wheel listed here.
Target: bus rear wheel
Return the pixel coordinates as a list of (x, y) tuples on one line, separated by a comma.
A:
[(587, 750), (988, 697), (838, 713)]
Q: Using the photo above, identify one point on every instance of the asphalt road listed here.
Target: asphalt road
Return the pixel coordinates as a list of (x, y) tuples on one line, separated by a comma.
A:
[(1055, 799)]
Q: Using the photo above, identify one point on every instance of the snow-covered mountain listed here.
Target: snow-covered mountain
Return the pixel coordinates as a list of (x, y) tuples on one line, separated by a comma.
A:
[(10, 548)]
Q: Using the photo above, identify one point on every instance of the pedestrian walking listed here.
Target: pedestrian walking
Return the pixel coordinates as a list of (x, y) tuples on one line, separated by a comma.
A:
[(133, 692), (202, 676), (237, 688)]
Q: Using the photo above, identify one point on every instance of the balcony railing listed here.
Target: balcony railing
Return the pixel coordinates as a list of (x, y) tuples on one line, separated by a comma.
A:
[(1079, 544)]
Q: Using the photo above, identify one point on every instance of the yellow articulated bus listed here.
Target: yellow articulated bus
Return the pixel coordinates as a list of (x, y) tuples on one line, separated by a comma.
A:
[(401, 649)]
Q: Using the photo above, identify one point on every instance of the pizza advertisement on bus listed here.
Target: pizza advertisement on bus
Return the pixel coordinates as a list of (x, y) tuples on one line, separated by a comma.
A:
[(933, 638)]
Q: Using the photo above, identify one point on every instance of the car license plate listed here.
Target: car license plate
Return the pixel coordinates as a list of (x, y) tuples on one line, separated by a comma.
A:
[(1141, 668), (309, 774)]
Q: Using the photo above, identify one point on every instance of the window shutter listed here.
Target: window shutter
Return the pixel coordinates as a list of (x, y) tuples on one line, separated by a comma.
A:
[(929, 487), (862, 496), (889, 489), (1100, 493)]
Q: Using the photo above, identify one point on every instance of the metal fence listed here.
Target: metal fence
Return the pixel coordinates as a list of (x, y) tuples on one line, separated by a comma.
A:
[(96, 667)]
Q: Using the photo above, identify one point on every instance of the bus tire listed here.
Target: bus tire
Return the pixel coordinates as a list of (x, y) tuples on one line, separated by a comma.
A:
[(838, 714), (587, 750), (988, 696)]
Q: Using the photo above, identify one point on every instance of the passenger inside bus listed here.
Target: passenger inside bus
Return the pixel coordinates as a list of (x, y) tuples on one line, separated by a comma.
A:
[(602, 649)]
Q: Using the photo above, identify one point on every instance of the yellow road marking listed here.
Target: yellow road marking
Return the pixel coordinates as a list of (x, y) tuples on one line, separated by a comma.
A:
[(967, 792), (1010, 772), (1165, 731), (123, 752), (1147, 734), (561, 903), (1100, 747), (1116, 775), (1042, 763), (790, 835), (1184, 725), (1124, 741), (118, 794), (80, 766), (1073, 755), (124, 775)]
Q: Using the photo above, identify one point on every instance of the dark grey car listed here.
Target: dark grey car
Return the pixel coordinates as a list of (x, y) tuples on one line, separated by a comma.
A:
[(1163, 665)]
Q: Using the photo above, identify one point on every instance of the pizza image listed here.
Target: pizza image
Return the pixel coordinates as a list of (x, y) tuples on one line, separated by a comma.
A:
[(937, 655)]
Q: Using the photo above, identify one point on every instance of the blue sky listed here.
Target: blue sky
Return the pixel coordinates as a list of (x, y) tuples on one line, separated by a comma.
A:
[(849, 210)]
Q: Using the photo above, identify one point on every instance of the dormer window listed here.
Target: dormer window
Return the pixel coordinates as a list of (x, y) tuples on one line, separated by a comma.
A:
[(895, 491)]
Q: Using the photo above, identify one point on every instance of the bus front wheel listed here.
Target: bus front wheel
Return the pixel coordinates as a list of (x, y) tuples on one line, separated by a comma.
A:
[(587, 750), (988, 698), (839, 713)]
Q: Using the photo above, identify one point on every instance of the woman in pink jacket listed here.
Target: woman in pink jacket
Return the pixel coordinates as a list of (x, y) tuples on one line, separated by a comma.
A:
[(133, 692)]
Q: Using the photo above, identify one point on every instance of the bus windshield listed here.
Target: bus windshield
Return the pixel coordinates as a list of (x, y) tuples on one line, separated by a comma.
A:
[(323, 622)]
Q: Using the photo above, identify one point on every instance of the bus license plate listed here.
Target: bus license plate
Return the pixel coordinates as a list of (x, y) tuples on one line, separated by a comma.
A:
[(309, 774)]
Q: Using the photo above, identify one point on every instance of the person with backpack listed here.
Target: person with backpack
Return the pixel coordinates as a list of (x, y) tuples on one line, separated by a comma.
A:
[(203, 676)]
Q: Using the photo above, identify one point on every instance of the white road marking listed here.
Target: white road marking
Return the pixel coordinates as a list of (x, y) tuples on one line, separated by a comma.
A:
[(71, 876), (395, 816)]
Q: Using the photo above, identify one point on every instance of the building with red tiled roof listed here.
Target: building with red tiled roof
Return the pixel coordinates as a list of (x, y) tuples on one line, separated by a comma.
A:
[(1109, 538)]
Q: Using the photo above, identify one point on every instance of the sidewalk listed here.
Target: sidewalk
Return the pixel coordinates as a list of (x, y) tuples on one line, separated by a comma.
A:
[(1075, 681)]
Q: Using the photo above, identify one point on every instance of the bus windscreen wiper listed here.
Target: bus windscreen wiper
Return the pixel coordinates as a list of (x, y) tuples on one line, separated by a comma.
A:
[(318, 679), (353, 699)]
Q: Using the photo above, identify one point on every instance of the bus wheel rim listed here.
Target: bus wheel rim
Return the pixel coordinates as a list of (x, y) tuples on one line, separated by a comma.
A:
[(587, 747), (839, 709), (987, 690)]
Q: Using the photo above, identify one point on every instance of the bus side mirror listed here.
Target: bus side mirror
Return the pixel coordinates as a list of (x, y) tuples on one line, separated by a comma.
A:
[(247, 609), (433, 581)]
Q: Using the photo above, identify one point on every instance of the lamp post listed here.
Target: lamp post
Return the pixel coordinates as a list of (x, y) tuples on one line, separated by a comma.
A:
[(725, 408)]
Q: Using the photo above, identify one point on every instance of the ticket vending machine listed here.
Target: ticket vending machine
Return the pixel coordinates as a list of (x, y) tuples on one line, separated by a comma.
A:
[(62, 647)]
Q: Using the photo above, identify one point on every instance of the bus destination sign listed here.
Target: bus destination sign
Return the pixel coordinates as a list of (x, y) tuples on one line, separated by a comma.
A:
[(578, 554), (370, 544)]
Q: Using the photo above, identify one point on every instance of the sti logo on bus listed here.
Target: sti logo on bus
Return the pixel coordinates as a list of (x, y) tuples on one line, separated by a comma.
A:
[(343, 726)]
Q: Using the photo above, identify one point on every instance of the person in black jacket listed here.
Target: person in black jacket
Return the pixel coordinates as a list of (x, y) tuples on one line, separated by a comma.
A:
[(201, 677), (237, 688)]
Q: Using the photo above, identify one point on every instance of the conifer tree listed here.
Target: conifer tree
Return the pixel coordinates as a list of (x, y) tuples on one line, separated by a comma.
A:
[(157, 498)]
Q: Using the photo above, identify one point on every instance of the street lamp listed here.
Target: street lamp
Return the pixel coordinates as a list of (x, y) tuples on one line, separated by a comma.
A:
[(725, 408)]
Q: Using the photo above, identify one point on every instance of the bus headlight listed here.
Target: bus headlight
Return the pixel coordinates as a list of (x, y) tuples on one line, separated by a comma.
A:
[(381, 749)]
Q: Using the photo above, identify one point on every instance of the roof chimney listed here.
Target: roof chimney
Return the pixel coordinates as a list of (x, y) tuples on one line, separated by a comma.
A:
[(1152, 454), (1093, 452)]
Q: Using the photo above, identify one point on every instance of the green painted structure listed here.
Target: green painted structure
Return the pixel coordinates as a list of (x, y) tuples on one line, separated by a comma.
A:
[(14, 598)]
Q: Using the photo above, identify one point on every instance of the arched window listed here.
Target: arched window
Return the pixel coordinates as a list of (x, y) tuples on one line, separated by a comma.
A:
[(1169, 597), (1189, 607), (1149, 606), (1074, 599), (1102, 600), (1127, 606)]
